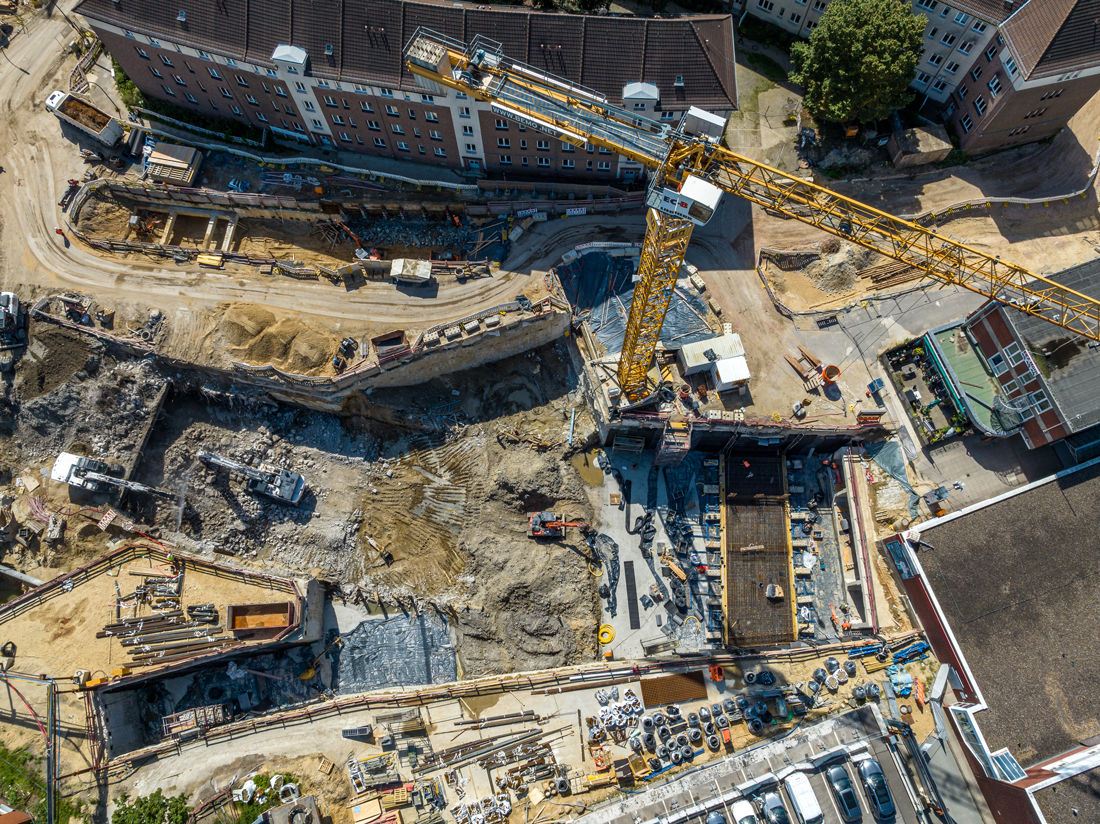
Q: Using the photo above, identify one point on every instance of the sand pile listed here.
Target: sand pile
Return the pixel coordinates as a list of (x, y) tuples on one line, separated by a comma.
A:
[(836, 273), (258, 336)]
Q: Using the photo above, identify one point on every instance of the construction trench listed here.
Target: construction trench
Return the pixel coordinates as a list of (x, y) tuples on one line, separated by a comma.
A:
[(423, 462)]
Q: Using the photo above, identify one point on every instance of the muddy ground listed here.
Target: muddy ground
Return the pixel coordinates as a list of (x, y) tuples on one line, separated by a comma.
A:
[(402, 500)]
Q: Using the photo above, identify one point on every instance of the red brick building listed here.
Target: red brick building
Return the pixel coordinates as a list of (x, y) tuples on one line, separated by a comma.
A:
[(331, 73)]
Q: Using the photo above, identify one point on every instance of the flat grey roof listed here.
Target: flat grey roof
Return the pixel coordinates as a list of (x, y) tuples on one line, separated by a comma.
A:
[(1070, 367), (1073, 800), (1019, 583)]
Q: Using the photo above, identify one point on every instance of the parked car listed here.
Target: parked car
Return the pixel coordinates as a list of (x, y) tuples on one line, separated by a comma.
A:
[(743, 813), (771, 806), (716, 818), (801, 794), (844, 793), (878, 793)]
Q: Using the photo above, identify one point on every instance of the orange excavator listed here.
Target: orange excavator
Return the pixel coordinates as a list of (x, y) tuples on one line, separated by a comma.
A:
[(549, 525)]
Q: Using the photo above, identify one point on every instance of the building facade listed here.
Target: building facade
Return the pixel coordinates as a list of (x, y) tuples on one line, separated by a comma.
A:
[(331, 73), (1003, 73)]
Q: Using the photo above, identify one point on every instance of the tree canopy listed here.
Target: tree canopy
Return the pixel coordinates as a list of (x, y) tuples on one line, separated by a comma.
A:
[(859, 60)]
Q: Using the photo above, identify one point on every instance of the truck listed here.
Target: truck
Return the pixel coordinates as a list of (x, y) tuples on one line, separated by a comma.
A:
[(85, 117), (13, 330), (97, 476), (406, 270)]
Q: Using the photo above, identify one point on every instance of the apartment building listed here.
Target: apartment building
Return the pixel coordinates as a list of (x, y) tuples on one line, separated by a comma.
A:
[(1003, 72), (330, 73)]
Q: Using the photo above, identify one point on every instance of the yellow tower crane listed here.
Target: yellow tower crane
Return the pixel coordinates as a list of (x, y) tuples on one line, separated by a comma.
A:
[(691, 170)]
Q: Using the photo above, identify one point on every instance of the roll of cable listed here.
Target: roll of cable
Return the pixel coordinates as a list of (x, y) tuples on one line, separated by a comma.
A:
[(655, 764), (693, 720), (677, 757), (673, 711), (636, 744), (709, 728), (658, 719), (662, 752), (562, 786), (750, 677), (650, 741), (664, 733), (756, 726), (647, 723), (723, 722), (695, 735), (687, 752), (681, 740), (713, 742), (704, 713)]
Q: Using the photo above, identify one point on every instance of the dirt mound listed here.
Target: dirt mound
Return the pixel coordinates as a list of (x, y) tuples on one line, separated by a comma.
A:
[(255, 335), (837, 272), (54, 355)]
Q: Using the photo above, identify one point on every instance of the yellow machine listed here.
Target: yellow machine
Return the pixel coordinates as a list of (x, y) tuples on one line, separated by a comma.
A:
[(691, 170)]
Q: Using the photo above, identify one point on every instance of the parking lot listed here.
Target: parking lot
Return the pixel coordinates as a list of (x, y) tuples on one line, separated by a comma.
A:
[(844, 739)]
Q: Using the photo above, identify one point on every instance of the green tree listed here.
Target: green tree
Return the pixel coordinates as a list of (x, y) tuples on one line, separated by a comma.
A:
[(151, 809), (859, 61)]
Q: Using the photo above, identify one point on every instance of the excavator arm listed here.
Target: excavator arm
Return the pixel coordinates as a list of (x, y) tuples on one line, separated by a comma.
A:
[(579, 116)]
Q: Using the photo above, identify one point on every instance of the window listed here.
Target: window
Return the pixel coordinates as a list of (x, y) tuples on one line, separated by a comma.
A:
[(252, 100), (504, 143), (300, 86), (946, 11), (468, 131), (588, 165), (766, 5), (440, 152), (261, 117), (351, 122), (392, 111), (604, 151), (337, 120), (366, 107), (811, 25), (402, 146), (1040, 401), (1013, 353), (214, 73), (924, 78), (932, 32), (168, 89), (308, 106), (420, 148), (603, 166), (567, 147), (991, 52), (976, 72), (236, 110), (154, 42), (298, 127), (979, 105), (951, 67), (542, 145), (231, 63), (191, 98), (568, 163), (142, 52), (412, 115), (188, 65), (962, 19), (241, 81), (416, 132), (427, 98), (948, 39), (1026, 378), (329, 101), (927, 4), (1052, 95), (966, 123), (1007, 767), (994, 85), (397, 128), (501, 124), (155, 72), (523, 161), (1018, 131), (979, 27), (523, 144), (129, 34), (966, 47), (796, 18), (543, 161), (464, 111), (935, 59), (200, 85), (939, 85), (1010, 66), (950, 110), (1011, 387), (1035, 113), (506, 160), (819, 5), (271, 73), (666, 115), (431, 117), (226, 92), (165, 60), (380, 143), (317, 124), (385, 92), (460, 96), (373, 124), (998, 365), (639, 107), (471, 148)]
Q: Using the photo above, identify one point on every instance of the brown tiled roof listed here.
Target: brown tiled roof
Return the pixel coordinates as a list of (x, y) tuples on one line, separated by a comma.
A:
[(367, 36), (1055, 36), (991, 11)]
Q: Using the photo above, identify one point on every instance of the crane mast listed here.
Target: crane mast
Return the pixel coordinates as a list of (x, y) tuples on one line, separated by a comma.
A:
[(685, 162)]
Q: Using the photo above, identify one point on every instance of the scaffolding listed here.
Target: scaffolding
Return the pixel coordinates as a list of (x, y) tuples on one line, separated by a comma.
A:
[(674, 445)]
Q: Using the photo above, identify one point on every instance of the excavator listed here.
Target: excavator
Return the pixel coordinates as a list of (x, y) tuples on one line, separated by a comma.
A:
[(691, 170), (281, 485), (97, 476), (549, 525)]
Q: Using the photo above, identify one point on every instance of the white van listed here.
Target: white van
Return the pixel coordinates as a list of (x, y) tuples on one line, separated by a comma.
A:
[(803, 799)]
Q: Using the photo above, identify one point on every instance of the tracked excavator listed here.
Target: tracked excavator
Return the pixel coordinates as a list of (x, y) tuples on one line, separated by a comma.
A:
[(280, 485), (690, 171), (97, 476)]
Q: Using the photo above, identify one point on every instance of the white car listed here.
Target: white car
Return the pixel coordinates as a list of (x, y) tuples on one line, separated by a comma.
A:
[(743, 812)]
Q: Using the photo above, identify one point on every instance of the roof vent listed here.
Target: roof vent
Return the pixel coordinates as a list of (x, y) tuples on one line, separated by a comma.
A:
[(182, 16), (329, 50), (679, 80)]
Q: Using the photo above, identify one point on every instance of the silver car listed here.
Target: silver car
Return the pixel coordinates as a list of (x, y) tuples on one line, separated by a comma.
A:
[(878, 792), (844, 793), (771, 807)]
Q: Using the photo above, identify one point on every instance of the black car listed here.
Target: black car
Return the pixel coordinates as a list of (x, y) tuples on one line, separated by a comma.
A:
[(878, 793), (844, 793)]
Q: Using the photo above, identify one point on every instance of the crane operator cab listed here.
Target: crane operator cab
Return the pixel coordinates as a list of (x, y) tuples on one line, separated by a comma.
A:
[(696, 200)]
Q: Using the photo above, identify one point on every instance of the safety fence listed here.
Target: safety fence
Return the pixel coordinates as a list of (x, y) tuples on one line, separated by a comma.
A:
[(178, 253), (160, 191), (78, 80), (795, 259)]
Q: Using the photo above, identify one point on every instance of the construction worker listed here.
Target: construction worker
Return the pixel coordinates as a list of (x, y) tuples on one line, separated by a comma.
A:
[(58, 230)]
